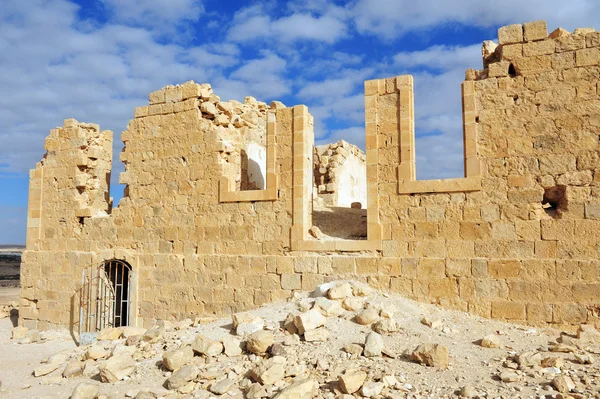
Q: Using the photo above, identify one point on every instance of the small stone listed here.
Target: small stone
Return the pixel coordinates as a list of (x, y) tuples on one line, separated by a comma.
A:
[(340, 291), (232, 346), (221, 387), (352, 380), (373, 345), (117, 368), (206, 346), (182, 376), (209, 109), (371, 389), (367, 316), (354, 349), (278, 349), (309, 320), (491, 341), (553, 361), (153, 334), (386, 326), (109, 334), (563, 384), (300, 389), (85, 390), (356, 205), (291, 340), (468, 392), (353, 304), (328, 307), (96, 352), (318, 335), (260, 341), (584, 359), (509, 376), (269, 371), (432, 323), (177, 358), (45, 369), (432, 355), (361, 289), (73, 369), (247, 323)]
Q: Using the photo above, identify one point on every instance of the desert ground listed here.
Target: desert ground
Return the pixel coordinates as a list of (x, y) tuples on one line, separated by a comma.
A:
[(351, 341)]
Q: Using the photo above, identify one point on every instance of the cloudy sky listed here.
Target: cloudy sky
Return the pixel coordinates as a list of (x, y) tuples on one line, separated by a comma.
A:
[(97, 60)]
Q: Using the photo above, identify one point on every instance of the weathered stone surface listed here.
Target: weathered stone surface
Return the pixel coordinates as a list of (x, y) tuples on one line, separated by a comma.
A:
[(96, 352), (45, 369), (433, 355), (352, 380), (232, 346), (371, 389), (85, 390), (182, 376), (206, 346), (246, 323), (563, 384), (340, 291), (177, 358), (300, 389), (259, 342), (110, 334), (328, 307), (373, 344), (73, 369), (270, 371), (367, 316), (386, 326), (309, 320), (116, 368), (319, 335), (491, 341), (221, 387)]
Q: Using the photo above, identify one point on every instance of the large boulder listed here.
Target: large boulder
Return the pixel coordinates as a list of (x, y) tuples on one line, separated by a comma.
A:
[(269, 371), (85, 391), (373, 345), (246, 323), (181, 377)]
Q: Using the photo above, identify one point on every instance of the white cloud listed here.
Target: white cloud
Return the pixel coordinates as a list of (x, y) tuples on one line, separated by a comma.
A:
[(253, 23), (158, 13), (391, 18)]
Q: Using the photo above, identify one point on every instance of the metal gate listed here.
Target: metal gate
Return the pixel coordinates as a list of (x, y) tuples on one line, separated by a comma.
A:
[(105, 296)]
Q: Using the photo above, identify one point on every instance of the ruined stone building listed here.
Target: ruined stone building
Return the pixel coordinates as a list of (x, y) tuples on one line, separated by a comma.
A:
[(219, 201)]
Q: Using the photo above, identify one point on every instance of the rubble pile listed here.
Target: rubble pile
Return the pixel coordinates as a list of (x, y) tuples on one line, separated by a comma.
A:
[(342, 341)]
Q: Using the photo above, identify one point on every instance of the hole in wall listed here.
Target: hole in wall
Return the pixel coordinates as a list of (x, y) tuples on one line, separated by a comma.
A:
[(512, 72), (555, 201)]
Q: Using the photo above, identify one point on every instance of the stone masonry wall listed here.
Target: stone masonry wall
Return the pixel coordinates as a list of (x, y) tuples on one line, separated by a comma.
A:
[(515, 239)]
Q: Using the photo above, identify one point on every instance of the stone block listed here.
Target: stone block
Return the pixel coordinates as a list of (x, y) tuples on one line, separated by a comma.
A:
[(508, 310), (291, 281), (536, 30), (587, 57), (539, 48), (504, 268), (431, 269), (510, 34)]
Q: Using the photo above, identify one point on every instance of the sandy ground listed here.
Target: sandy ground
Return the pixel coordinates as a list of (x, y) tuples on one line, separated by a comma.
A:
[(470, 364)]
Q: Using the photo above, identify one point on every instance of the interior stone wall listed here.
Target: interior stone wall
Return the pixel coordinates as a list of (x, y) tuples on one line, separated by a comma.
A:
[(515, 239)]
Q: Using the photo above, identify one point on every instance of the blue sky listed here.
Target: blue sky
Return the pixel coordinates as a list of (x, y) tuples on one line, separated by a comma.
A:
[(97, 60)]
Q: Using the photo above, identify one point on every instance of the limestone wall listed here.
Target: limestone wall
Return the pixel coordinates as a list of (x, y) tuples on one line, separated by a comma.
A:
[(514, 239)]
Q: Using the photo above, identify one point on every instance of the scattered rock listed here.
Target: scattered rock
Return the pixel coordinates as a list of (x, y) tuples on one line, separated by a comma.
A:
[(177, 358), (553, 361), (232, 346), (19, 332), (182, 376), (340, 291), (353, 349), (109, 334), (96, 352), (352, 380), (73, 369), (371, 389), (328, 307), (509, 376), (367, 316), (85, 390), (221, 387), (247, 323), (45, 369), (319, 335), (386, 326), (491, 341), (373, 345), (260, 341), (433, 355), (353, 304), (432, 323), (563, 384), (588, 333), (309, 320), (300, 389), (206, 346), (269, 371), (468, 392), (116, 368)]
